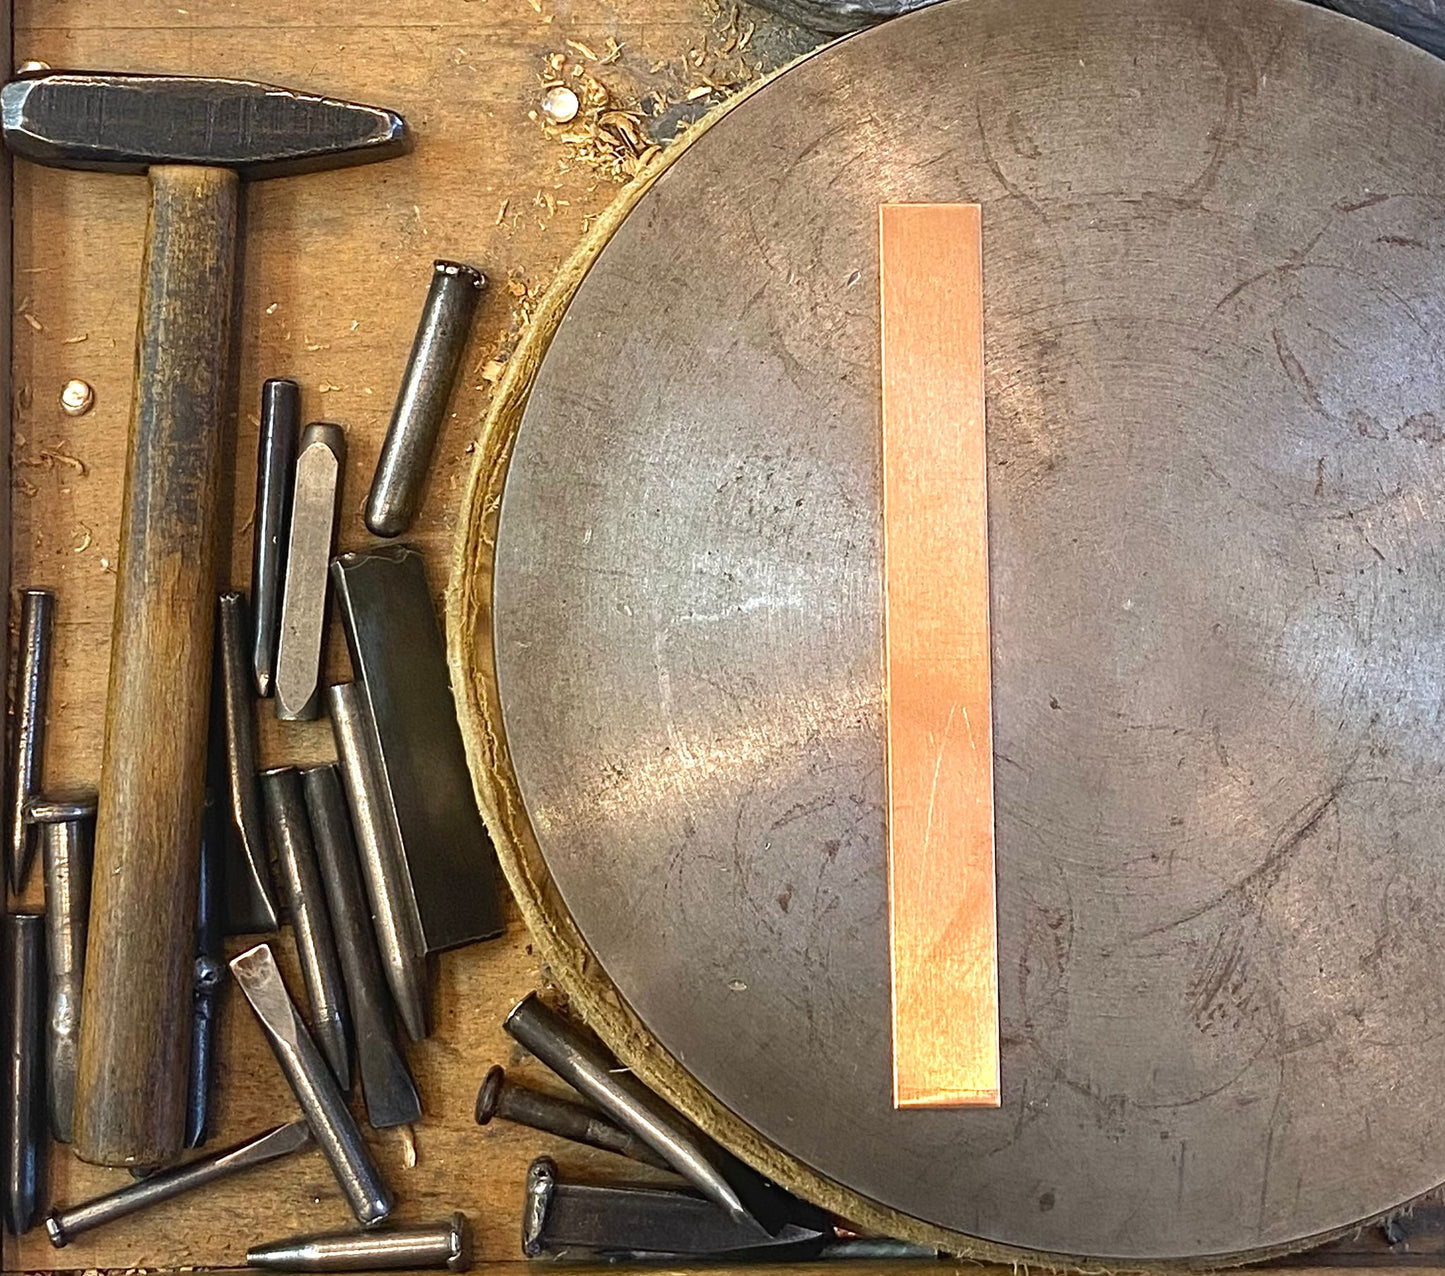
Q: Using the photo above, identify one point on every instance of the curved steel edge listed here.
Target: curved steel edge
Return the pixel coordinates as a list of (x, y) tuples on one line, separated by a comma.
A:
[(471, 660)]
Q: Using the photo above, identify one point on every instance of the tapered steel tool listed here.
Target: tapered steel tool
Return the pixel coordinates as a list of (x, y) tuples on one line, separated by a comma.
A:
[(445, 1245), (27, 748), (275, 463), (22, 982)]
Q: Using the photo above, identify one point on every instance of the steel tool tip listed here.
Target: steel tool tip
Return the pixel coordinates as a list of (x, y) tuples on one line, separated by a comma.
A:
[(490, 1094)]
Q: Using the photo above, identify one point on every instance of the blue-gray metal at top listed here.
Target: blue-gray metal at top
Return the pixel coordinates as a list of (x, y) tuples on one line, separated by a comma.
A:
[(127, 123)]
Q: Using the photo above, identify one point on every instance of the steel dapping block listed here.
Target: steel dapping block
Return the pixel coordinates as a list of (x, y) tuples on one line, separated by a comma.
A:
[(311, 1080), (414, 1248), (320, 466), (27, 745), (386, 1084), (249, 899), (399, 660), (22, 953), (275, 459), (421, 403), (388, 889), (500, 1096), (66, 824), (310, 919), (65, 1225)]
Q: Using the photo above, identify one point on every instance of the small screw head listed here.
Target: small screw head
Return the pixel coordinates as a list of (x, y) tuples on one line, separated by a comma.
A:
[(77, 397), (560, 104)]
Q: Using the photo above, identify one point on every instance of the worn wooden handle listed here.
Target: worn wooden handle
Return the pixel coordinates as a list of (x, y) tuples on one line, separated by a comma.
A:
[(135, 1021)]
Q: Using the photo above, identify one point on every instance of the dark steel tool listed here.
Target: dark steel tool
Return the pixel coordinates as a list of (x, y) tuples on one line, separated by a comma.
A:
[(584, 1063), (383, 868), (500, 1096), (314, 1085), (421, 403), (560, 1218), (210, 968), (320, 468), (65, 1225), (250, 902), (399, 661), (195, 138), (415, 1248), (275, 465), (27, 757), (310, 919), (1213, 381), (386, 1084), (66, 823), (22, 951)]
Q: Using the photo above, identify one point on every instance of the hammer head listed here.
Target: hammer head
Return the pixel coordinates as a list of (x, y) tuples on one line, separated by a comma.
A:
[(126, 123)]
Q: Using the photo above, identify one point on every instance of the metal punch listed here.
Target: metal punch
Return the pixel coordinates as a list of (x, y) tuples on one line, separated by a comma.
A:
[(22, 949), (584, 1063), (66, 824), (502, 1097), (311, 1080), (446, 1245), (421, 403), (320, 466), (383, 869), (32, 690), (64, 1225), (250, 900), (275, 461), (310, 919), (399, 660), (210, 969), (386, 1084)]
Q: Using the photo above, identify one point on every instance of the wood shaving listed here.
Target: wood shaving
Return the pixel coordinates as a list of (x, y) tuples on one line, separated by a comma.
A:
[(578, 47), (33, 321), (85, 541), (75, 341), (502, 212)]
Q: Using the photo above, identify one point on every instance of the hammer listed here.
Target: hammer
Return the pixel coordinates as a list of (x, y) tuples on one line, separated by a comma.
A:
[(195, 138)]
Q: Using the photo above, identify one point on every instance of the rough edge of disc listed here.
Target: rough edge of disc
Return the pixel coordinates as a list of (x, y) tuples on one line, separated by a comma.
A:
[(572, 964)]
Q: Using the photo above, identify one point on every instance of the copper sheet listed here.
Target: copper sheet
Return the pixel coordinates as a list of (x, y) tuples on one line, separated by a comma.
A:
[(939, 720)]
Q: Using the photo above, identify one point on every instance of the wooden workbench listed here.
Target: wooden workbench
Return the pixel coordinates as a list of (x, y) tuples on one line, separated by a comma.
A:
[(335, 268)]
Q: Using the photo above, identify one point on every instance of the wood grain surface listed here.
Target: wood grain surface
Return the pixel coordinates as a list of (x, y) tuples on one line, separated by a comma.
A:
[(334, 270), (939, 710)]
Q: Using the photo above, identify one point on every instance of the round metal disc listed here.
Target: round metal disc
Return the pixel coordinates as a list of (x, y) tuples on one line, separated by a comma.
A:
[(1215, 290)]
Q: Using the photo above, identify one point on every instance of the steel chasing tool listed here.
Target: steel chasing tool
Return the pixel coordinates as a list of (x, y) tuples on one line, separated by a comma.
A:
[(64, 1225), (559, 1218), (32, 690), (421, 403), (66, 824), (250, 901), (399, 661), (383, 869), (311, 1080), (502, 1097), (210, 971), (386, 1084), (310, 919), (584, 1063), (275, 459), (22, 950), (320, 465), (414, 1248)]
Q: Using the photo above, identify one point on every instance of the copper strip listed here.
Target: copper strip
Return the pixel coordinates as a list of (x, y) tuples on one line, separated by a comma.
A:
[(939, 714)]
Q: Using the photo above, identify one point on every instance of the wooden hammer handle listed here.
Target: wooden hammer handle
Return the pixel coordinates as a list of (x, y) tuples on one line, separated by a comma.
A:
[(135, 1020)]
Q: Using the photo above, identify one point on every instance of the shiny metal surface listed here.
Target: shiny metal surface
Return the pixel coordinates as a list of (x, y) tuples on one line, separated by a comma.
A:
[(22, 963), (27, 741), (384, 871), (320, 467), (66, 825), (210, 969), (332, 1125), (581, 1061), (271, 523), (445, 1245), (421, 403), (1217, 493), (500, 1096), (250, 901), (398, 657), (310, 918), (386, 1083), (66, 1224)]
